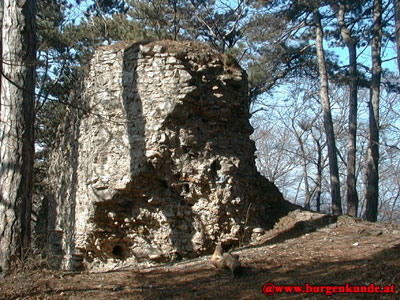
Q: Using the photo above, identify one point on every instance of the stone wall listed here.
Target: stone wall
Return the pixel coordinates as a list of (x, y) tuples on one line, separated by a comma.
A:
[(162, 167)]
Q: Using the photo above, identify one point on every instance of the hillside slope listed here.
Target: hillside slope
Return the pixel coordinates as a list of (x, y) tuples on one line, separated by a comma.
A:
[(303, 248)]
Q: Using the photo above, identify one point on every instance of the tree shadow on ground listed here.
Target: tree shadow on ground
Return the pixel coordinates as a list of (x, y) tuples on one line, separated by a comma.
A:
[(205, 283), (198, 279), (302, 227)]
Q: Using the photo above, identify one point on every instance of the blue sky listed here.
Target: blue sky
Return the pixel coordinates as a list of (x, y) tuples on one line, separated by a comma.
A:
[(388, 50)]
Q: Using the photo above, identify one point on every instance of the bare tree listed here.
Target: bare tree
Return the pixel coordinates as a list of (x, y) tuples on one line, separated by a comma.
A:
[(301, 123), (304, 160), (16, 128), (289, 143), (319, 166), (273, 160)]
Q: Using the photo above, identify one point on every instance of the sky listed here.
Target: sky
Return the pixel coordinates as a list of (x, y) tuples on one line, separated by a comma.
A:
[(389, 51)]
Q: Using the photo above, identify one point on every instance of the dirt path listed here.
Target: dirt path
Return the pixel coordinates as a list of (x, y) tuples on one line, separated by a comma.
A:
[(303, 248)]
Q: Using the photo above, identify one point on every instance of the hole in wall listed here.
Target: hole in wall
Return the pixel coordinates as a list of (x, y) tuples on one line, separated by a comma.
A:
[(186, 188), (118, 251), (164, 184), (215, 166)]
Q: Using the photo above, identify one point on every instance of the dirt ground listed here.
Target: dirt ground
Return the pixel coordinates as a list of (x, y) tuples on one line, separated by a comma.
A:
[(303, 248)]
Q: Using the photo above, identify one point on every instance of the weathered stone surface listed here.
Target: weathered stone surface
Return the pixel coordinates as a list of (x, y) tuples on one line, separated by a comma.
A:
[(162, 167)]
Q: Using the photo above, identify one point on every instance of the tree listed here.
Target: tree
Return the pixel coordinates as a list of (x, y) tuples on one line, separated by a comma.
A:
[(107, 7), (319, 166), (372, 175), (397, 29), (1, 41), (299, 18), (328, 124), (272, 159), (16, 128), (278, 49), (220, 23), (290, 144), (287, 23), (351, 44)]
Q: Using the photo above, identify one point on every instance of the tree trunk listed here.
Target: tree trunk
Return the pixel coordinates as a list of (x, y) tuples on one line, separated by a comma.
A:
[(307, 200), (372, 193), (1, 42), (352, 197), (318, 190), (397, 24), (174, 5), (16, 128), (328, 124), (307, 192)]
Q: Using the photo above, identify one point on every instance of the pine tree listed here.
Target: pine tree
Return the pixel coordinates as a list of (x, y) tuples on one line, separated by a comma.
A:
[(16, 128), (372, 174), (351, 43), (327, 116)]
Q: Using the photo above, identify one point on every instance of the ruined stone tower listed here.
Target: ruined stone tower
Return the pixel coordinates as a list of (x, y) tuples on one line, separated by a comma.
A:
[(157, 163)]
